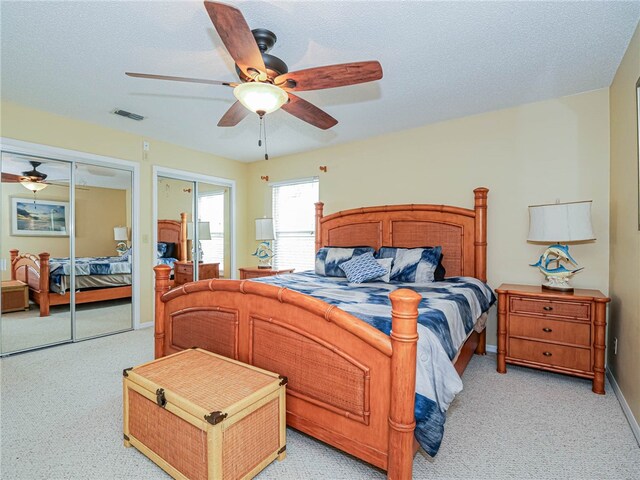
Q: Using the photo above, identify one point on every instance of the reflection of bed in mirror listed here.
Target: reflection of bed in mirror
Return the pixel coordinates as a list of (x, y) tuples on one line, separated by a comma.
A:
[(97, 278), (173, 232)]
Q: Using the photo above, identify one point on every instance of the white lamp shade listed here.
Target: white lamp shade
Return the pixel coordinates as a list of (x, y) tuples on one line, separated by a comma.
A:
[(204, 231), (120, 234), (264, 229), (260, 97), (561, 222), (33, 186)]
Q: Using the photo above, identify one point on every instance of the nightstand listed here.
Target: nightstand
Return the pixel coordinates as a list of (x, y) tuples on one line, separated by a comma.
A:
[(254, 272), (183, 272), (553, 331)]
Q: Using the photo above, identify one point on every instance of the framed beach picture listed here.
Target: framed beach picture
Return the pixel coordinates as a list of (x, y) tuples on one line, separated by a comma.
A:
[(44, 218)]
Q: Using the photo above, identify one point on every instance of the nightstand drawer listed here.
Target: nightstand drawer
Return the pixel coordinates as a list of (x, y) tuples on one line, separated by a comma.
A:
[(183, 268), (577, 310), (548, 329), (550, 354)]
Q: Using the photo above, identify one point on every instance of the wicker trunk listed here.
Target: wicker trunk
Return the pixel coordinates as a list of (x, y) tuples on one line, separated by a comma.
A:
[(199, 415)]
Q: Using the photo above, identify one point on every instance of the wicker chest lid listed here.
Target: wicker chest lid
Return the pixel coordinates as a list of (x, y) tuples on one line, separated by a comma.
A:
[(208, 382), (12, 285)]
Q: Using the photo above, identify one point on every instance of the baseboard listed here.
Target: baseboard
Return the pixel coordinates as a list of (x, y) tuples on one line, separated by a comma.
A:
[(633, 423), (492, 348)]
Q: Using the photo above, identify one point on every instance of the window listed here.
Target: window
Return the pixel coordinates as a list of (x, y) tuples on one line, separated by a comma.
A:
[(211, 209), (294, 224)]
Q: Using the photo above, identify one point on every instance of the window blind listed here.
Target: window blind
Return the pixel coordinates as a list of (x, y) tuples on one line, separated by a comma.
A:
[(294, 224), (211, 209)]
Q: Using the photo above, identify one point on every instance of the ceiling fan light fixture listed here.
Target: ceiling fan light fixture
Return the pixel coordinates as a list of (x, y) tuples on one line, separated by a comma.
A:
[(33, 186), (260, 97)]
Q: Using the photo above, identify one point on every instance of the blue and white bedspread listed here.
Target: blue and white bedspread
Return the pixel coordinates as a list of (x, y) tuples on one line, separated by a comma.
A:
[(446, 316), (60, 267)]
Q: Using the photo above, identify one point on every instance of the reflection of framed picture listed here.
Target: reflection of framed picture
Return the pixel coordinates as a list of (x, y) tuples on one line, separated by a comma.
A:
[(44, 218)]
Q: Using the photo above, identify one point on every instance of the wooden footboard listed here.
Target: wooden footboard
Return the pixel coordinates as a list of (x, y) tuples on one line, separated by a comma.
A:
[(34, 271), (350, 385)]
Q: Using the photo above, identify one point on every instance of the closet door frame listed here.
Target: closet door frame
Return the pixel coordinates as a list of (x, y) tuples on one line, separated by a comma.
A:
[(76, 156), (173, 173)]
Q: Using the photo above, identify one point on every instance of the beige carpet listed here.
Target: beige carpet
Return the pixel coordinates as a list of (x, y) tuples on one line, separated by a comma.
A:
[(27, 329), (61, 419)]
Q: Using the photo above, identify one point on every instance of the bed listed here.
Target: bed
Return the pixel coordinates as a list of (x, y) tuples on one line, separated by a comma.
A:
[(97, 278), (175, 232), (362, 396)]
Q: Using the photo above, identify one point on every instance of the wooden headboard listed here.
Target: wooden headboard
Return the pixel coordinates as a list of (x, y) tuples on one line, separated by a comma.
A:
[(172, 231), (461, 232)]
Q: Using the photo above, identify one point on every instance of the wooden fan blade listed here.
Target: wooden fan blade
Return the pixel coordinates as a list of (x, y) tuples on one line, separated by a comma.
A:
[(233, 116), (308, 112), (11, 177), (237, 37), (180, 79), (330, 76)]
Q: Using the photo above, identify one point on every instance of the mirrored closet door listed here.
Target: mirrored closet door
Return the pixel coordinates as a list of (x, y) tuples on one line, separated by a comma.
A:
[(36, 242), (104, 269), (66, 250), (208, 239)]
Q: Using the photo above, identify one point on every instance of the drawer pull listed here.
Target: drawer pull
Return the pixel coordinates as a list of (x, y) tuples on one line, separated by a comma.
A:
[(547, 308), (547, 354), (547, 329)]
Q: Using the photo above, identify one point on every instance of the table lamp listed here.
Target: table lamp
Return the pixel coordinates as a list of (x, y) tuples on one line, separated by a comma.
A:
[(560, 224), (121, 235), (204, 233), (265, 233)]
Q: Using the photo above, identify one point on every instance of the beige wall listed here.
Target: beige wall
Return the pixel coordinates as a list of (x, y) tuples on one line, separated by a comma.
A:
[(624, 279), (532, 154), (22, 123), (173, 200), (94, 223)]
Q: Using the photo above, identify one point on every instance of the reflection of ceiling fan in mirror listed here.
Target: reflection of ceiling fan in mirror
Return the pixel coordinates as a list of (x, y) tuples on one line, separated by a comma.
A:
[(30, 179), (265, 81)]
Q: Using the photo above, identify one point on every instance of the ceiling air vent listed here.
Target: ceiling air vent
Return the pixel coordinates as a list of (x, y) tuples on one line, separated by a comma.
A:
[(124, 113)]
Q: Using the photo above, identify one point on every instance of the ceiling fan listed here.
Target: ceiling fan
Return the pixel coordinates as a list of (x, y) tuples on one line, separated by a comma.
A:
[(265, 81), (30, 179)]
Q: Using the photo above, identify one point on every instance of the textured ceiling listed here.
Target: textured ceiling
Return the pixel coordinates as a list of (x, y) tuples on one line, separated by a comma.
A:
[(441, 60)]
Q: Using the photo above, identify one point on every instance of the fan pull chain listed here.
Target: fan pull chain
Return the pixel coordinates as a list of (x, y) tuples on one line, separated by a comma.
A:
[(266, 155), (263, 128)]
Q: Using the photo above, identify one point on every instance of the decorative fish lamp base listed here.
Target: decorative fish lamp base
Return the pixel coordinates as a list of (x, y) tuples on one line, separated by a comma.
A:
[(264, 254), (121, 248), (557, 276)]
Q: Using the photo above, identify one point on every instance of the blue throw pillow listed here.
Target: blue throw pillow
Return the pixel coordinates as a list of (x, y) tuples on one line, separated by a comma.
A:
[(329, 259), (161, 249), (412, 265), (362, 268)]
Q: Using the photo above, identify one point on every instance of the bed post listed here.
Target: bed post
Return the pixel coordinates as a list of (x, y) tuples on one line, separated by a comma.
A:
[(162, 286), (319, 208), (480, 245), (14, 253), (44, 284), (183, 237), (404, 338)]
